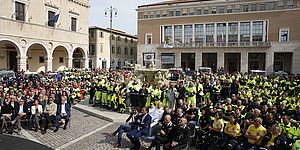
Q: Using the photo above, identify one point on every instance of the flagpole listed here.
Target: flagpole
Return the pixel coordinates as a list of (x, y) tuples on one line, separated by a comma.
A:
[(26, 12)]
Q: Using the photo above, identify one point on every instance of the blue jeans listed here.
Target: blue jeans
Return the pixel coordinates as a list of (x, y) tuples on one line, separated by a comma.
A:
[(123, 128)]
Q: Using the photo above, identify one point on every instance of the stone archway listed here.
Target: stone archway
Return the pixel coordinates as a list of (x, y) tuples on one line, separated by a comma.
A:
[(59, 58), (78, 58), (9, 55), (37, 57)]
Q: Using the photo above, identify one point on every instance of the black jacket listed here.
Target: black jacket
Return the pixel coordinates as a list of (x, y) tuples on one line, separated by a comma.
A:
[(181, 135)]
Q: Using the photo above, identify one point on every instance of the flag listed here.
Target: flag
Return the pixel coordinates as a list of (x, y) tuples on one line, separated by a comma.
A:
[(53, 19)]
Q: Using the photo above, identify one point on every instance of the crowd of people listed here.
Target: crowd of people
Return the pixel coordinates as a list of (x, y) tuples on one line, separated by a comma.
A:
[(221, 111), (225, 111), (39, 100)]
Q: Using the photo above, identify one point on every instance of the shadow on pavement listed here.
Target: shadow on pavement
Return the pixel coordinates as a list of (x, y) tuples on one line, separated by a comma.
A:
[(14, 143)]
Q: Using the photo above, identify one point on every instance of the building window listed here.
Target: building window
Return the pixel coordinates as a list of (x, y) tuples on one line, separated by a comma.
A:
[(213, 10), (199, 34), (221, 9), (290, 4), (118, 50), (271, 5), (92, 49), (126, 51), (171, 13), (41, 59), (192, 11), (101, 34), (245, 33), (112, 49), (237, 8), (205, 10), (184, 12), (152, 14), (280, 4), (73, 24), (188, 34), (245, 8), (101, 48), (131, 51), (131, 41), (178, 34), (177, 13), (61, 60), (164, 14), (50, 15), (112, 37), (157, 14), (148, 38), (145, 15), (20, 11), (92, 34), (262, 7), (126, 40), (229, 9), (283, 35), (253, 7), (119, 38), (198, 11), (168, 38), (257, 31), (232, 34), (210, 32), (221, 34)]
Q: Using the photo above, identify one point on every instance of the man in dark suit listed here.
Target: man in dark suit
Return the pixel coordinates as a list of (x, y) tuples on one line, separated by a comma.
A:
[(143, 129), (180, 136), (131, 124), (63, 112), (164, 134)]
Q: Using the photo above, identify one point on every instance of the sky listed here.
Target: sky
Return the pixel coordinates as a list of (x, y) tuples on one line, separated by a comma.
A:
[(126, 19)]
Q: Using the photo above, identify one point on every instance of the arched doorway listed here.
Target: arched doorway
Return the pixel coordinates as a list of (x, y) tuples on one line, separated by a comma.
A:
[(78, 58), (59, 61), (8, 55), (36, 58)]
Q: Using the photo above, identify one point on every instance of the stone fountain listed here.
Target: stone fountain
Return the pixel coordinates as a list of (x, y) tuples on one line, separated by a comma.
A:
[(151, 74)]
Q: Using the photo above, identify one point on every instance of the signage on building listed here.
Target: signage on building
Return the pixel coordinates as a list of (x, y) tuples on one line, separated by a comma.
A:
[(168, 58), (149, 57)]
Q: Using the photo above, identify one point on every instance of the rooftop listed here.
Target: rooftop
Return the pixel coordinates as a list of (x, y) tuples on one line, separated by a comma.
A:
[(171, 2), (114, 31)]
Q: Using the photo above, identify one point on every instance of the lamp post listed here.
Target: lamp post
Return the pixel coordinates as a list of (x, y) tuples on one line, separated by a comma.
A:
[(110, 12)]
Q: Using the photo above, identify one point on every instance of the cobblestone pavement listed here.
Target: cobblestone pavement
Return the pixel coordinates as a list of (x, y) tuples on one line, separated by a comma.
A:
[(86, 133), (101, 140), (81, 124)]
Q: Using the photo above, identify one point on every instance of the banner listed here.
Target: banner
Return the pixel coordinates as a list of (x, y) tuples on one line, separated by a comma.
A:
[(167, 58)]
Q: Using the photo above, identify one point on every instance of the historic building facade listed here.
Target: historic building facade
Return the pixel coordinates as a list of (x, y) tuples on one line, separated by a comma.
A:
[(43, 35), (123, 49), (239, 35)]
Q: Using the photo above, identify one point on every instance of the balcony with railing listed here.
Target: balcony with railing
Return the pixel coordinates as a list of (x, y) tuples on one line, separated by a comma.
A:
[(266, 44)]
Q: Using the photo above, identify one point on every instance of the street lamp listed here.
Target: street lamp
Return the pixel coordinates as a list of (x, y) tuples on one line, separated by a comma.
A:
[(110, 12)]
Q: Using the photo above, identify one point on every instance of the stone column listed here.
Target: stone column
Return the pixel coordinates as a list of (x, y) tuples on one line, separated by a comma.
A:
[(86, 62), (269, 61), (48, 63), (244, 61), (177, 59), (22, 63), (198, 61), (70, 62), (220, 59)]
